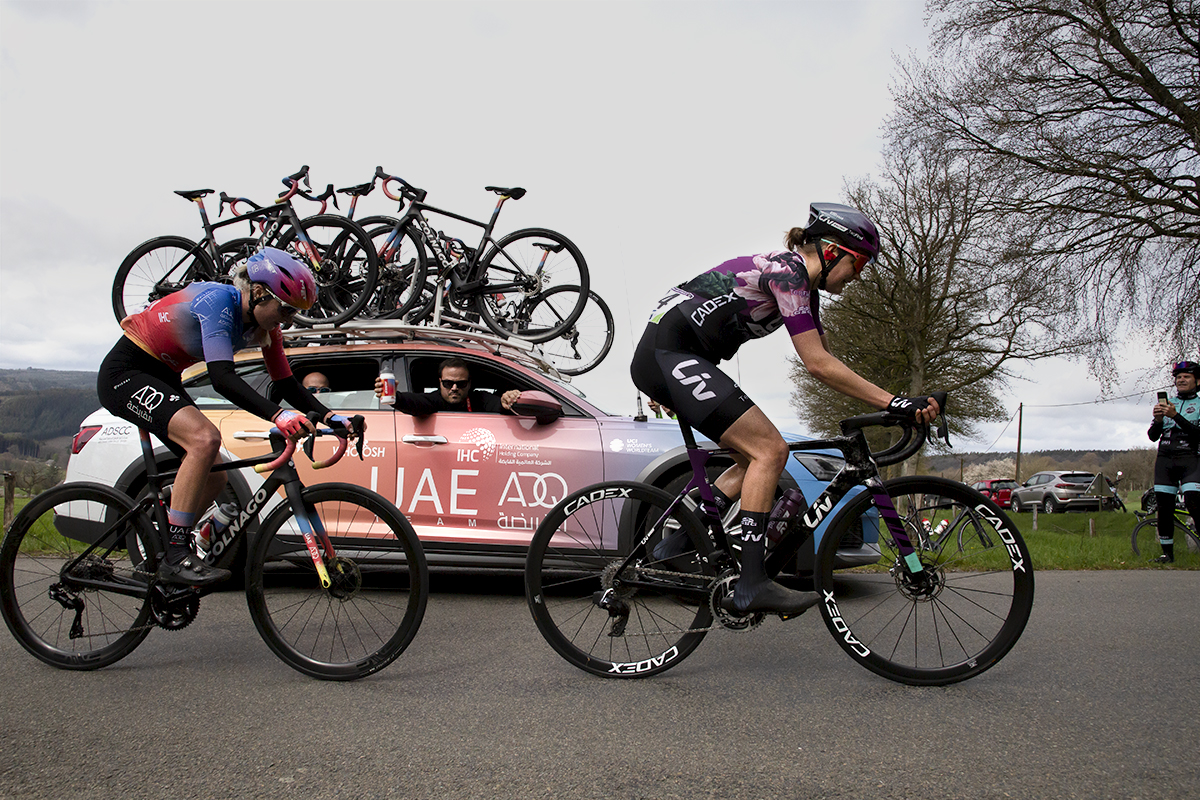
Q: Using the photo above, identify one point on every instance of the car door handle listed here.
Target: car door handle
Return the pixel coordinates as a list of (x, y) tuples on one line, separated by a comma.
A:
[(414, 439)]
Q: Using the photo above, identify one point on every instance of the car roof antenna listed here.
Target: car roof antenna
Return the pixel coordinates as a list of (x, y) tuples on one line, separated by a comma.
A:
[(641, 415)]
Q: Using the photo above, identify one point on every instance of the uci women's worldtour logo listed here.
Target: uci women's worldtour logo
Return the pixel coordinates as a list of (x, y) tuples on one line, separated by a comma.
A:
[(144, 401)]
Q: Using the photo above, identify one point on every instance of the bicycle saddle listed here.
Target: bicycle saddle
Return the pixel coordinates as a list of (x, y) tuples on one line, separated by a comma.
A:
[(516, 193), (362, 190), (192, 194)]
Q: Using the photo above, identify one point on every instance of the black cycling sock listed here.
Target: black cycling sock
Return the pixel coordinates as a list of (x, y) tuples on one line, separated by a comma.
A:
[(723, 500), (754, 547), (179, 543)]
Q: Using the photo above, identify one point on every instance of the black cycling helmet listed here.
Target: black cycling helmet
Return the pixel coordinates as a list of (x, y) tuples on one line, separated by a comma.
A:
[(1186, 366), (847, 225)]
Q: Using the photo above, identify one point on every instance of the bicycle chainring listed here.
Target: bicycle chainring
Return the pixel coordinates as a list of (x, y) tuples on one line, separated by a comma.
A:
[(174, 609), (723, 587)]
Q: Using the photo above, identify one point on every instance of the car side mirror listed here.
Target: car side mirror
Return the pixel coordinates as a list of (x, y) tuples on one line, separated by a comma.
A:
[(541, 406)]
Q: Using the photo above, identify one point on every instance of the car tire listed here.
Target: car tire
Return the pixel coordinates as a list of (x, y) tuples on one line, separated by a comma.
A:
[(1015, 505), (1050, 505)]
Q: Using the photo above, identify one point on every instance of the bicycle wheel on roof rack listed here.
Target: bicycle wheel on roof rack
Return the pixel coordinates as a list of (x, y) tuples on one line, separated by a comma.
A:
[(587, 341), (401, 278), (155, 269), (343, 262), (518, 272)]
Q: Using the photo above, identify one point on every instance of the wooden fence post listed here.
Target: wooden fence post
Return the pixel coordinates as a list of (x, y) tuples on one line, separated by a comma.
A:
[(10, 491)]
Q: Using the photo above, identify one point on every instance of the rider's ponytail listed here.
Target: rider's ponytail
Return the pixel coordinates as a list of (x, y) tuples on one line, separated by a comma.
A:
[(794, 239)]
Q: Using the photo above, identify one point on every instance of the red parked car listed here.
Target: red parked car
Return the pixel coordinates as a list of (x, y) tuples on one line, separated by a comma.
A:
[(999, 491)]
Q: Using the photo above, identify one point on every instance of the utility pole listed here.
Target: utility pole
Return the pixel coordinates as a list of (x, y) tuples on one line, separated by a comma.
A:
[(1020, 410)]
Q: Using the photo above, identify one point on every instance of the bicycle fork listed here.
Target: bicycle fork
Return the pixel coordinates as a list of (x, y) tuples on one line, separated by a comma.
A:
[(312, 528)]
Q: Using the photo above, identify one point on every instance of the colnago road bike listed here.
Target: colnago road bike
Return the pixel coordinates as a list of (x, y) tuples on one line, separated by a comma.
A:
[(337, 249), (925, 612), (336, 579), (505, 283)]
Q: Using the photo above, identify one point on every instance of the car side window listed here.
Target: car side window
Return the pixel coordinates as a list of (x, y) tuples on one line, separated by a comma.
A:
[(423, 376), (202, 392), (351, 382)]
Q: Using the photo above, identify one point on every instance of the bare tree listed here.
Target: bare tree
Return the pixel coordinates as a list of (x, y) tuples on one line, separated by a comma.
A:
[(950, 304), (1090, 110)]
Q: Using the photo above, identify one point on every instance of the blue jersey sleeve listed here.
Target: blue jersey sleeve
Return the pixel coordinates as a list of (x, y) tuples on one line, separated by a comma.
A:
[(217, 311)]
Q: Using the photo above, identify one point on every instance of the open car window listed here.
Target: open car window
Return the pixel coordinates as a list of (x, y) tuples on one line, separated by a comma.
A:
[(351, 382), (485, 377), (205, 396)]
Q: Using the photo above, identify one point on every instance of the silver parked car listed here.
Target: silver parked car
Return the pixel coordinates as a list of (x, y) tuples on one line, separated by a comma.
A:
[(1059, 490)]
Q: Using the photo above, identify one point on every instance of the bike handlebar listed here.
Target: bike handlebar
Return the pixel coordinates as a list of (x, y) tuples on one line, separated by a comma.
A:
[(909, 442), (323, 198), (407, 190), (293, 182), (289, 449)]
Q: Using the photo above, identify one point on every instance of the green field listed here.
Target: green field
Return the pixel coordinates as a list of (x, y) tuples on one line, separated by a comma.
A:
[(1063, 541)]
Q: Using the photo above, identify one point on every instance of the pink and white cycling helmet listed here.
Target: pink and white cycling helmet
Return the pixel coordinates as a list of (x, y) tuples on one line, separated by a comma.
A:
[(285, 277)]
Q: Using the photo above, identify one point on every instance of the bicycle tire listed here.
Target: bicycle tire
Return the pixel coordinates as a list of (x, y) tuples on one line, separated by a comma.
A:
[(955, 627), (1145, 538), (156, 268), (572, 561), (235, 252), (344, 265), (373, 608), (587, 341), (518, 271), (36, 598), (401, 277)]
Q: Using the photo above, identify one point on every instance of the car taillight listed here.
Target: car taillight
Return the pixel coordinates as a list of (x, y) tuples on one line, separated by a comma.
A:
[(1065, 486), (83, 437)]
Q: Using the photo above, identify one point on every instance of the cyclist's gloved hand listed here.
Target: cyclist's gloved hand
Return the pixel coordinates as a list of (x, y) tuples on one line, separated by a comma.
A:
[(907, 406), (291, 423)]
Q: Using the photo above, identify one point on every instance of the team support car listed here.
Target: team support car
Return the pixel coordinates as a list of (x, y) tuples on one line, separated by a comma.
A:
[(1000, 491), (1058, 490), (474, 485)]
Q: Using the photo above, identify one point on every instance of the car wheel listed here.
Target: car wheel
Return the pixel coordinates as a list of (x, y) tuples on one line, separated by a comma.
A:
[(1049, 505), (1015, 504)]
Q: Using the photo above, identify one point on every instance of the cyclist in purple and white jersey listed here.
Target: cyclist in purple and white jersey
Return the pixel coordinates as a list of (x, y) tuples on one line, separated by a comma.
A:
[(139, 381), (706, 319)]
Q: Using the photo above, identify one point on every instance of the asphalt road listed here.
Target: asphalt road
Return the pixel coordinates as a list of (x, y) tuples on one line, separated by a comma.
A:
[(1099, 699)]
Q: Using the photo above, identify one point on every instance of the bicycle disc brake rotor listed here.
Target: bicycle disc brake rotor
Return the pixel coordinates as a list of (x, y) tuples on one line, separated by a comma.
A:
[(923, 587), (723, 587), (345, 578), (174, 609)]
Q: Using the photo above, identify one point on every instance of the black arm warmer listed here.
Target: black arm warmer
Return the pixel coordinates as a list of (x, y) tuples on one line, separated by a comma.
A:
[(231, 386), (301, 399), (1156, 429)]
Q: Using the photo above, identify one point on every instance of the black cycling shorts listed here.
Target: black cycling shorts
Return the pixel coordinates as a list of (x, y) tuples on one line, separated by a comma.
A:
[(1180, 470), (139, 388), (667, 367)]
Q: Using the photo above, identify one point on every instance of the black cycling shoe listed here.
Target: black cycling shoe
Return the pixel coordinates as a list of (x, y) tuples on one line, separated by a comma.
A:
[(1163, 559), (775, 599), (191, 572)]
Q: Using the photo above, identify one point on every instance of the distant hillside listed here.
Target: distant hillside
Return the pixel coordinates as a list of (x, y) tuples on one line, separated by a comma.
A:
[(40, 409)]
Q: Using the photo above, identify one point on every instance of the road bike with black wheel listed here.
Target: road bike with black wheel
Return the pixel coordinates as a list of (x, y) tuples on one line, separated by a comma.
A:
[(1145, 534), (337, 249), (336, 579), (498, 282), (921, 613)]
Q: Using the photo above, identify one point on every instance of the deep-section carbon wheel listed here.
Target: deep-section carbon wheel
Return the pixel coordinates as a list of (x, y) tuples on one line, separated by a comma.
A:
[(155, 269), (77, 613), (379, 584), (518, 271), (957, 617), (610, 620), (1145, 539)]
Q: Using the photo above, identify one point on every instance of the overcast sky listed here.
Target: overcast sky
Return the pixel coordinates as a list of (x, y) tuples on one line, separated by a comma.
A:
[(663, 138)]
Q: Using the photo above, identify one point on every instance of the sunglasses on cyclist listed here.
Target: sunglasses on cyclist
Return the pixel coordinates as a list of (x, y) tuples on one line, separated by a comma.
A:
[(318, 389), (284, 308), (456, 384), (860, 261)]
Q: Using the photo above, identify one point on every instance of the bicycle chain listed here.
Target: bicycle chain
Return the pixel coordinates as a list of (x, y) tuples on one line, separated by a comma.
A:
[(714, 585)]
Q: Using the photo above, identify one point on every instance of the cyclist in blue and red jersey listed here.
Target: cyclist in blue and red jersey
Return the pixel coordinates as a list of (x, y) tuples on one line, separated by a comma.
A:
[(139, 381), (1176, 428), (706, 319)]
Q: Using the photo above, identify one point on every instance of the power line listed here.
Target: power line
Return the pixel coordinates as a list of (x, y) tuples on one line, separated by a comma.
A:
[(1098, 402)]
